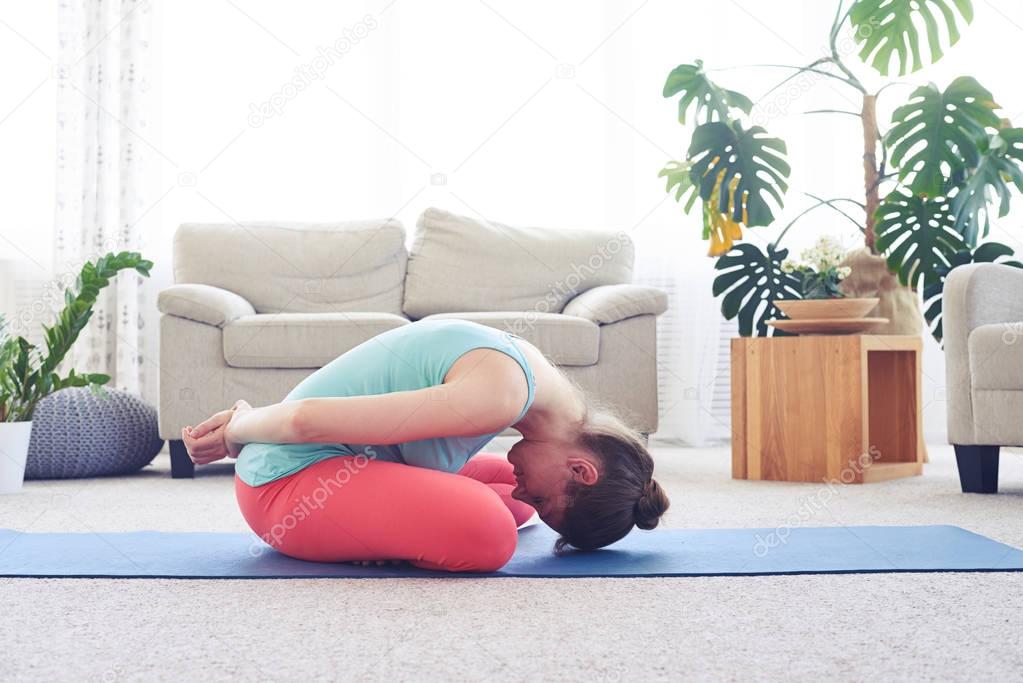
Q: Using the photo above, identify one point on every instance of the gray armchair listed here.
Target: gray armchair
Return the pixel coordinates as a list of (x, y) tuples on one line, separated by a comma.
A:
[(983, 336)]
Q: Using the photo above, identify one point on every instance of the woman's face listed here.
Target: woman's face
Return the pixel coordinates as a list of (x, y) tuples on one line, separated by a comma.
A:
[(542, 473)]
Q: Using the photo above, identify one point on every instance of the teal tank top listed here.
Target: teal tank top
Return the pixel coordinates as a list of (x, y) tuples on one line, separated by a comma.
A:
[(407, 358)]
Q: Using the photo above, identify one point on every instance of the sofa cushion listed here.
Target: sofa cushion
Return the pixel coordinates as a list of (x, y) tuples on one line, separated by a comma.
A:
[(457, 263), (298, 267), (300, 340), (996, 356), (564, 339)]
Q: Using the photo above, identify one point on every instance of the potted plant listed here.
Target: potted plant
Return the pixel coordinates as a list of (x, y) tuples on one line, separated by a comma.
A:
[(929, 179), (823, 306), (27, 373)]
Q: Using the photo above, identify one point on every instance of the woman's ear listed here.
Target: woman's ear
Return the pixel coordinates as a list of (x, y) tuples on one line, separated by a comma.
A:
[(583, 471)]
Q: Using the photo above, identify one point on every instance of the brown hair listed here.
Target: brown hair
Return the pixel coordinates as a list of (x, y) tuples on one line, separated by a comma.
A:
[(625, 494)]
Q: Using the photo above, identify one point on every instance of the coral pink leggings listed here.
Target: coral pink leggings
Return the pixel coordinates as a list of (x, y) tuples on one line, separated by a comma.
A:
[(354, 508)]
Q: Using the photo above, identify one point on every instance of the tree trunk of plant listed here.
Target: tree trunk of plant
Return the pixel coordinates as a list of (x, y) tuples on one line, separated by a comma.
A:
[(871, 185), (870, 275)]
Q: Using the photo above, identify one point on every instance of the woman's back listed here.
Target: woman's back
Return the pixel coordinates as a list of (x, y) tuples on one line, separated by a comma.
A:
[(407, 358)]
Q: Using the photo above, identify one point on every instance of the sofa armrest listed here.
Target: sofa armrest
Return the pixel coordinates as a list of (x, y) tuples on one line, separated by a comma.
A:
[(203, 303), (976, 294), (611, 303)]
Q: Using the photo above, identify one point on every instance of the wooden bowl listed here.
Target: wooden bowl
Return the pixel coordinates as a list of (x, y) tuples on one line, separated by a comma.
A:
[(823, 309), (828, 325)]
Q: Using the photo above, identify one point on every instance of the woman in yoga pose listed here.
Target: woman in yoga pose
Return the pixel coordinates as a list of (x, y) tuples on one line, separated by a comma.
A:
[(375, 456)]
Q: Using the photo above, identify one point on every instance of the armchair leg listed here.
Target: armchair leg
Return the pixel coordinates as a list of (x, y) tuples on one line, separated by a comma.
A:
[(978, 468), (182, 466)]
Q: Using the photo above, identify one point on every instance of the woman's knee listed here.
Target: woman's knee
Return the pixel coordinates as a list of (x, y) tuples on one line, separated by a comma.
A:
[(500, 551), (472, 532), (487, 540)]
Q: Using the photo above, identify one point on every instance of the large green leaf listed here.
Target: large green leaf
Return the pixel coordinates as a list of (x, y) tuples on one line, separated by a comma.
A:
[(680, 180), (918, 236), (938, 134), (751, 280), (887, 28), (698, 92), (989, 252), (749, 165), (997, 168)]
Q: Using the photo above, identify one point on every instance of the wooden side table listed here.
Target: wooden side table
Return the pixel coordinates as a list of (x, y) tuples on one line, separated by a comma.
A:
[(826, 408)]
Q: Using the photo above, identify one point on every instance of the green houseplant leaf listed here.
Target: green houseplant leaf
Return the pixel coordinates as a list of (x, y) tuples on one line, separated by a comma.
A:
[(8, 354), (887, 28), (918, 236), (938, 134), (989, 252), (749, 165), (679, 179), (997, 169), (697, 91), (751, 280)]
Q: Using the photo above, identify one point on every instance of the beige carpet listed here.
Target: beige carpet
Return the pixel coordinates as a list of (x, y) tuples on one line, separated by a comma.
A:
[(849, 627)]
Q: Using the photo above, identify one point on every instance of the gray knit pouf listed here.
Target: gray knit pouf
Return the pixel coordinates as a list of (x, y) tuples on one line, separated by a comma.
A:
[(76, 433)]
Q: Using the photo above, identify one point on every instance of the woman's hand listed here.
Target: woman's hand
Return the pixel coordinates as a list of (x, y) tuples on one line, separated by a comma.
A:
[(208, 441)]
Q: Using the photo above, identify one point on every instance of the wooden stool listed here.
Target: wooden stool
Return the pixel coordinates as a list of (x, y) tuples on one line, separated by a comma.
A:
[(826, 408)]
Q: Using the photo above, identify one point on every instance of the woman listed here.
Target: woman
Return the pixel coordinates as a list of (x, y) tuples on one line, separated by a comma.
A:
[(371, 458)]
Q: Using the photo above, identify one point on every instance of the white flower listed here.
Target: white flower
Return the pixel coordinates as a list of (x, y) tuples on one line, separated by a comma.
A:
[(788, 266), (843, 271), (824, 254)]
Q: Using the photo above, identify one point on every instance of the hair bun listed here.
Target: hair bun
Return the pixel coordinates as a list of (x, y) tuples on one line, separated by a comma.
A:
[(651, 505)]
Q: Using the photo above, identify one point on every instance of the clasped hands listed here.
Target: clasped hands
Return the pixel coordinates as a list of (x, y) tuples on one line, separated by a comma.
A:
[(210, 440)]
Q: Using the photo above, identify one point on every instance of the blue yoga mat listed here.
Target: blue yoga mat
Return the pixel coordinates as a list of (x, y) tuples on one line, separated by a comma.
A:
[(668, 552)]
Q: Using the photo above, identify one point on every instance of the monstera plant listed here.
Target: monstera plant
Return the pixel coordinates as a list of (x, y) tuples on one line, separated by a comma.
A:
[(932, 180)]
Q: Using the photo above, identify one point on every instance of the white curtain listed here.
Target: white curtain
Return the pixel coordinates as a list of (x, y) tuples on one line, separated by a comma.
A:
[(102, 153), (691, 375)]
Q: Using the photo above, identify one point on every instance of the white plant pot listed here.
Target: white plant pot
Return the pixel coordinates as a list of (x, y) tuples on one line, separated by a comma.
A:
[(14, 438)]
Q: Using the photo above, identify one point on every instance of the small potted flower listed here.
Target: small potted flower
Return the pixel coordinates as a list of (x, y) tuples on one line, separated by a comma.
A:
[(820, 274)]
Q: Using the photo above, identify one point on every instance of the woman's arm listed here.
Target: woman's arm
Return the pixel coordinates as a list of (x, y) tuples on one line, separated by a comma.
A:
[(484, 400)]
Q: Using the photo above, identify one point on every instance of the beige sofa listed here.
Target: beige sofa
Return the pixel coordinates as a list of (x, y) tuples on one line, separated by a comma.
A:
[(258, 307), (983, 336)]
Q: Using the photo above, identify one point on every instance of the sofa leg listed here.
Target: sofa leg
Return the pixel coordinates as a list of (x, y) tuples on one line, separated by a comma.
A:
[(182, 466), (978, 468)]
